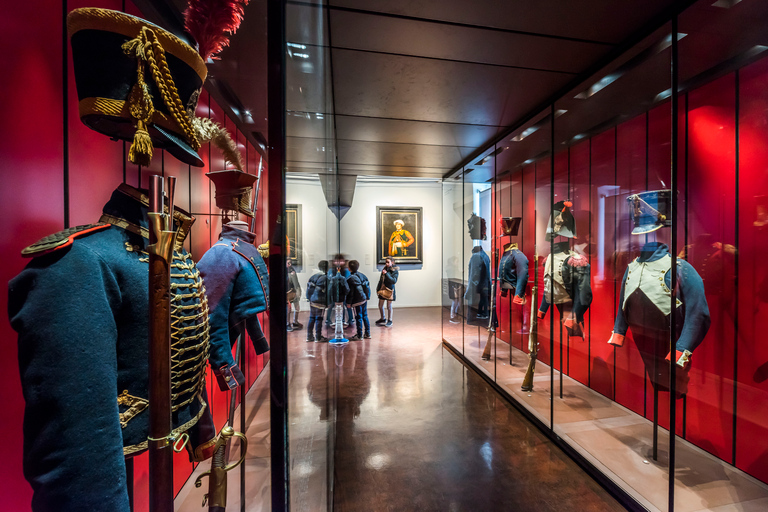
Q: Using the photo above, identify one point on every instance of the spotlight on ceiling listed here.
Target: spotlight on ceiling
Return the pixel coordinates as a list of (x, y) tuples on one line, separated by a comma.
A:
[(628, 66)]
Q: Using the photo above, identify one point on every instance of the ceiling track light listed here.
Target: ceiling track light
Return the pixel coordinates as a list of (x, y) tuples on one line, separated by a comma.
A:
[(628, 66), (725, 4)]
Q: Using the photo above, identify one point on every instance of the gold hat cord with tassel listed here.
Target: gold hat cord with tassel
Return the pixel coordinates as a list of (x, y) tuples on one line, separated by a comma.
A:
[(146, 48)]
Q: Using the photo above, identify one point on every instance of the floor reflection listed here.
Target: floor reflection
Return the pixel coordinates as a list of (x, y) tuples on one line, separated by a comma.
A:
[(413, 430)]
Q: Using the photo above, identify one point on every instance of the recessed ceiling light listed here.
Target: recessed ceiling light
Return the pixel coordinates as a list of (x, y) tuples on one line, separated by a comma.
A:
[(725, 4)]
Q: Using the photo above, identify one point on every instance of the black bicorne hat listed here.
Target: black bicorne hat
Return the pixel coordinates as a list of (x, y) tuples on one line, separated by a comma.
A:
[(136, 82), (510, 226), (233, 190), (650, 211), (564, 223)]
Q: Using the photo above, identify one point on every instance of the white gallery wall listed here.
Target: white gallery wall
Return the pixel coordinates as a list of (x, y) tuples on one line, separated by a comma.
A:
[(417, 285)]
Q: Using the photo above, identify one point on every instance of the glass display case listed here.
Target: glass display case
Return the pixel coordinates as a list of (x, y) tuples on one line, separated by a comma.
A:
[(655, 162)]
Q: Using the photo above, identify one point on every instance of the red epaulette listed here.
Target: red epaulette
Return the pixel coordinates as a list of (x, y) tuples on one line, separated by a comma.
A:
[(577, 260)]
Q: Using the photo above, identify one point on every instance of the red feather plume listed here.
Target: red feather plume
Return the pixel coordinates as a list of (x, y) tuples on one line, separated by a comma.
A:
[(211, 22)]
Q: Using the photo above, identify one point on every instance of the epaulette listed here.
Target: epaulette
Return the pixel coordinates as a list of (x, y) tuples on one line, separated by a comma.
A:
[(61, 239), (264, 250), (578, 260)]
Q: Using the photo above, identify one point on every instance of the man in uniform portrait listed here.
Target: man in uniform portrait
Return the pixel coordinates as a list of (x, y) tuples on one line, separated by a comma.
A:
[(400, 240)]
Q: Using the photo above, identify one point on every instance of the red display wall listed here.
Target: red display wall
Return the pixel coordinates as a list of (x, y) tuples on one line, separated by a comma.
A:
[(58, 173), (722, 231)]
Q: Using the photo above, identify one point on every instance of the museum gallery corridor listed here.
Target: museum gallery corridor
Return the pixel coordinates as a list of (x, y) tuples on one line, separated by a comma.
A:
[(415, 430)]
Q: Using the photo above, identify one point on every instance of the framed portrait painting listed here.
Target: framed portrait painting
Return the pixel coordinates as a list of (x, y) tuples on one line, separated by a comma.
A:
[(399, 234), (293, 233)]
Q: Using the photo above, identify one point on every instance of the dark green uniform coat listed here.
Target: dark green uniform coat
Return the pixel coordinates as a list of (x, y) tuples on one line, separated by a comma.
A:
[(81, 312)]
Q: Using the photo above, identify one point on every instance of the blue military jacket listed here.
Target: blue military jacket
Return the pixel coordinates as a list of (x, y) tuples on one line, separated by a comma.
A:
[(237, 287), (513, 271), (81, 311), (478, 292), (693, 318)]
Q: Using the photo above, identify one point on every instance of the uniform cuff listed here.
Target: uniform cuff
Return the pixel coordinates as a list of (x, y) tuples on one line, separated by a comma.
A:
[(229, 377), (616, 339), (575, 329), (682, 358), (541, 314)]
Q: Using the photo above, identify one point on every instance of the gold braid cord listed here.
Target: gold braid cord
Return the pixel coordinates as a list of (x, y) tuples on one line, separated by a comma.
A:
[(146, 49)]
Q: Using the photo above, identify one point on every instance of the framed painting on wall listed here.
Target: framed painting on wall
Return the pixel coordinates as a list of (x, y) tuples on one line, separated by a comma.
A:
[(293, 234), (399, 234)]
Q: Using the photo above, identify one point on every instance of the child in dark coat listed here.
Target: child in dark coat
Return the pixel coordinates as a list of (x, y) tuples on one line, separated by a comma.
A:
[(317, 295), (359, 293)]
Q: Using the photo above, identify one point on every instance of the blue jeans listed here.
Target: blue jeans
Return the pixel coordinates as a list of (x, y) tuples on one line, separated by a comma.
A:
[(361, 317), (316, 321)]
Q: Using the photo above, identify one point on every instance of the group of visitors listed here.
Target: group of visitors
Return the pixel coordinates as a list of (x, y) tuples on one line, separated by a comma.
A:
[(341, 283)]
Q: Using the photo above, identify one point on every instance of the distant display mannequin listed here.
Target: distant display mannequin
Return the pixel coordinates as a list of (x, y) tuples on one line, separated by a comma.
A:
[(566, 274)]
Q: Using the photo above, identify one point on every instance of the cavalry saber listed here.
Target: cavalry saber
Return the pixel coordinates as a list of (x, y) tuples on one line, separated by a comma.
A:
[(216, 498), (533, 335), (255, 202), (162, 239)]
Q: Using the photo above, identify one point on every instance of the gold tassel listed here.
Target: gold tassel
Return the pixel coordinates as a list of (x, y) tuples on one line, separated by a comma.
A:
[(140, 102), (141, 109), (264, 249), (141, 149)]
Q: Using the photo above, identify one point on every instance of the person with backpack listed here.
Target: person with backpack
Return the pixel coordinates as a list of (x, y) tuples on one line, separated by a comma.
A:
[(338, 289), (317, 295), (334, 269), (359, 293), (386, 290)]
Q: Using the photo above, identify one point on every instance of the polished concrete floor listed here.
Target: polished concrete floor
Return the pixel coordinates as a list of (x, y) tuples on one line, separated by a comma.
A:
[(414, 430)]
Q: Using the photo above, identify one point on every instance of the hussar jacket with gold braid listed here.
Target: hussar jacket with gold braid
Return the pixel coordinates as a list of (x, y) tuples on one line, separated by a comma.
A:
[(81, 311)]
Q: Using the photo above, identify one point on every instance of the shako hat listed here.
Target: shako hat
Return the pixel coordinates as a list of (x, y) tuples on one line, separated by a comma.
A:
[(136, 82), (564, 223), (650, 211), (233, 190), (510, 226)]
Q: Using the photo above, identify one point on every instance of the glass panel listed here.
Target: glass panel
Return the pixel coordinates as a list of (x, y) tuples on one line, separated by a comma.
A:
[(613, 136), (453, 284), (479, 260), (721, 187), (522, 193), (316, 199)]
